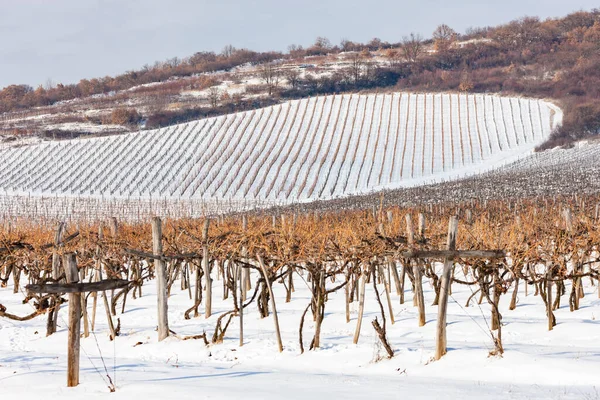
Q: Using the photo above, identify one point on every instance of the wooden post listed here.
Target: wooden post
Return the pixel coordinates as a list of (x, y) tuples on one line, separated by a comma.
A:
[(86, 329), (361, 307), (53, 315), (206, 268), (111, 325), (98, 267), (347, 298), (394, 269), (568, 220), (419, 299), (160, 271), (241, 301), (441, 341), (114, 227), (386, 284), (469, 216), (72, 276), (247, 285), (402, 281), (75, 291), (275, 319), (549, 299)]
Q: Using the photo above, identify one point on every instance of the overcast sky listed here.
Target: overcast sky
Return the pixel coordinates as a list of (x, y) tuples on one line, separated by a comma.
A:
[(66, 40)]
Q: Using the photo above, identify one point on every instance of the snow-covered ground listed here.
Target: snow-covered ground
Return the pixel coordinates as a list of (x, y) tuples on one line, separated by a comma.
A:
[(537, 364), (311, 149)]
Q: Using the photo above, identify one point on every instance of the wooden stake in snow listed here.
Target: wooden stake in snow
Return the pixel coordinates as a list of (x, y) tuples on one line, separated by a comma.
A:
[(53, 315), (240, 277), (361, 307), (72, 276), (206, 268), (418, 276), (160, 271), (275, 319), (75, 290), (440, 343)]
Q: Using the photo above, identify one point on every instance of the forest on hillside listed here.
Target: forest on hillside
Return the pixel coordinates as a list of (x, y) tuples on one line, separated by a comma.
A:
[(556, 59)]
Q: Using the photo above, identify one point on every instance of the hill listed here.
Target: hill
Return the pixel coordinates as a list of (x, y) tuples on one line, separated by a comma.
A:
[(552, 59), (303, 150)]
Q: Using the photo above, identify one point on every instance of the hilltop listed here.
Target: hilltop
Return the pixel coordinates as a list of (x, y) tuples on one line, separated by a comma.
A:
[(319, 148), (555, 59)]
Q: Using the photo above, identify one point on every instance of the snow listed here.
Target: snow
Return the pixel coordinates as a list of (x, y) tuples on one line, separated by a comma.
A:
[(301, 155), (85, 127), (537, 364)]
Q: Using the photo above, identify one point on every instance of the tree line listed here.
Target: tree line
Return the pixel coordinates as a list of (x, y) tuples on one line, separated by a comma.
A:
[(555, 58)]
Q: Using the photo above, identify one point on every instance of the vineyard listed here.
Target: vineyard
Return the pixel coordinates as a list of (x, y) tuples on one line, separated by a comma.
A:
[(514, 281), (313, 149), (543, 175)]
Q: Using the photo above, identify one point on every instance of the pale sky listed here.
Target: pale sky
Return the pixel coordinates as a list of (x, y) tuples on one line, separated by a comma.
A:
[(67, 40)]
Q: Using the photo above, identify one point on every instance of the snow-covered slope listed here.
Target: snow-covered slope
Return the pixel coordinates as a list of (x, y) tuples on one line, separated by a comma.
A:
[(316, 148), (537, 363)]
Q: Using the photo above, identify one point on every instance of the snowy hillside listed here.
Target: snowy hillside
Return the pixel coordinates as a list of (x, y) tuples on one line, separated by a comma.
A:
[(563, 363), (316, 148)]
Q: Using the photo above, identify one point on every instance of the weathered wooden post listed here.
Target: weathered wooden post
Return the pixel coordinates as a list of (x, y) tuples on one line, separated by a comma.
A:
[(419, 299), (568, 215), (391, 265), (206, 268), (550, 314), (275, 318), (160, 271), (53, 315), (361, 306), (245, 284), (75, 290), (422, 225), (240, 276), (72, 276), (440, 345)]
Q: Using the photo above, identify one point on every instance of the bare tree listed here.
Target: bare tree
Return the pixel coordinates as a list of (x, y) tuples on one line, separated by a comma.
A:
[(394, 57), (412, 47), (346, 45), (443, 38), (214, 95), (292, 75), (228, 51), (270, 75), (370, 68), (322, 42), (356, 65)]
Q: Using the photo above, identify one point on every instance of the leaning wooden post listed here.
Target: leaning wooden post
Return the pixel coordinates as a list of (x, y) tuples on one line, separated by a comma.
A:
[(246, 284), (361, 306), (441, 341), (550, 314), (111, 325), (53, 315), (160, 271), (422, 225), (418, 277), (86, 328), (240, 276), (72, 276), (206, 268), (275, 319), (568, 215)]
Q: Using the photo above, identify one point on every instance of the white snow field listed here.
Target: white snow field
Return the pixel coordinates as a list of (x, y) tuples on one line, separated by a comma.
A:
[(537, 364), (302, 150)]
